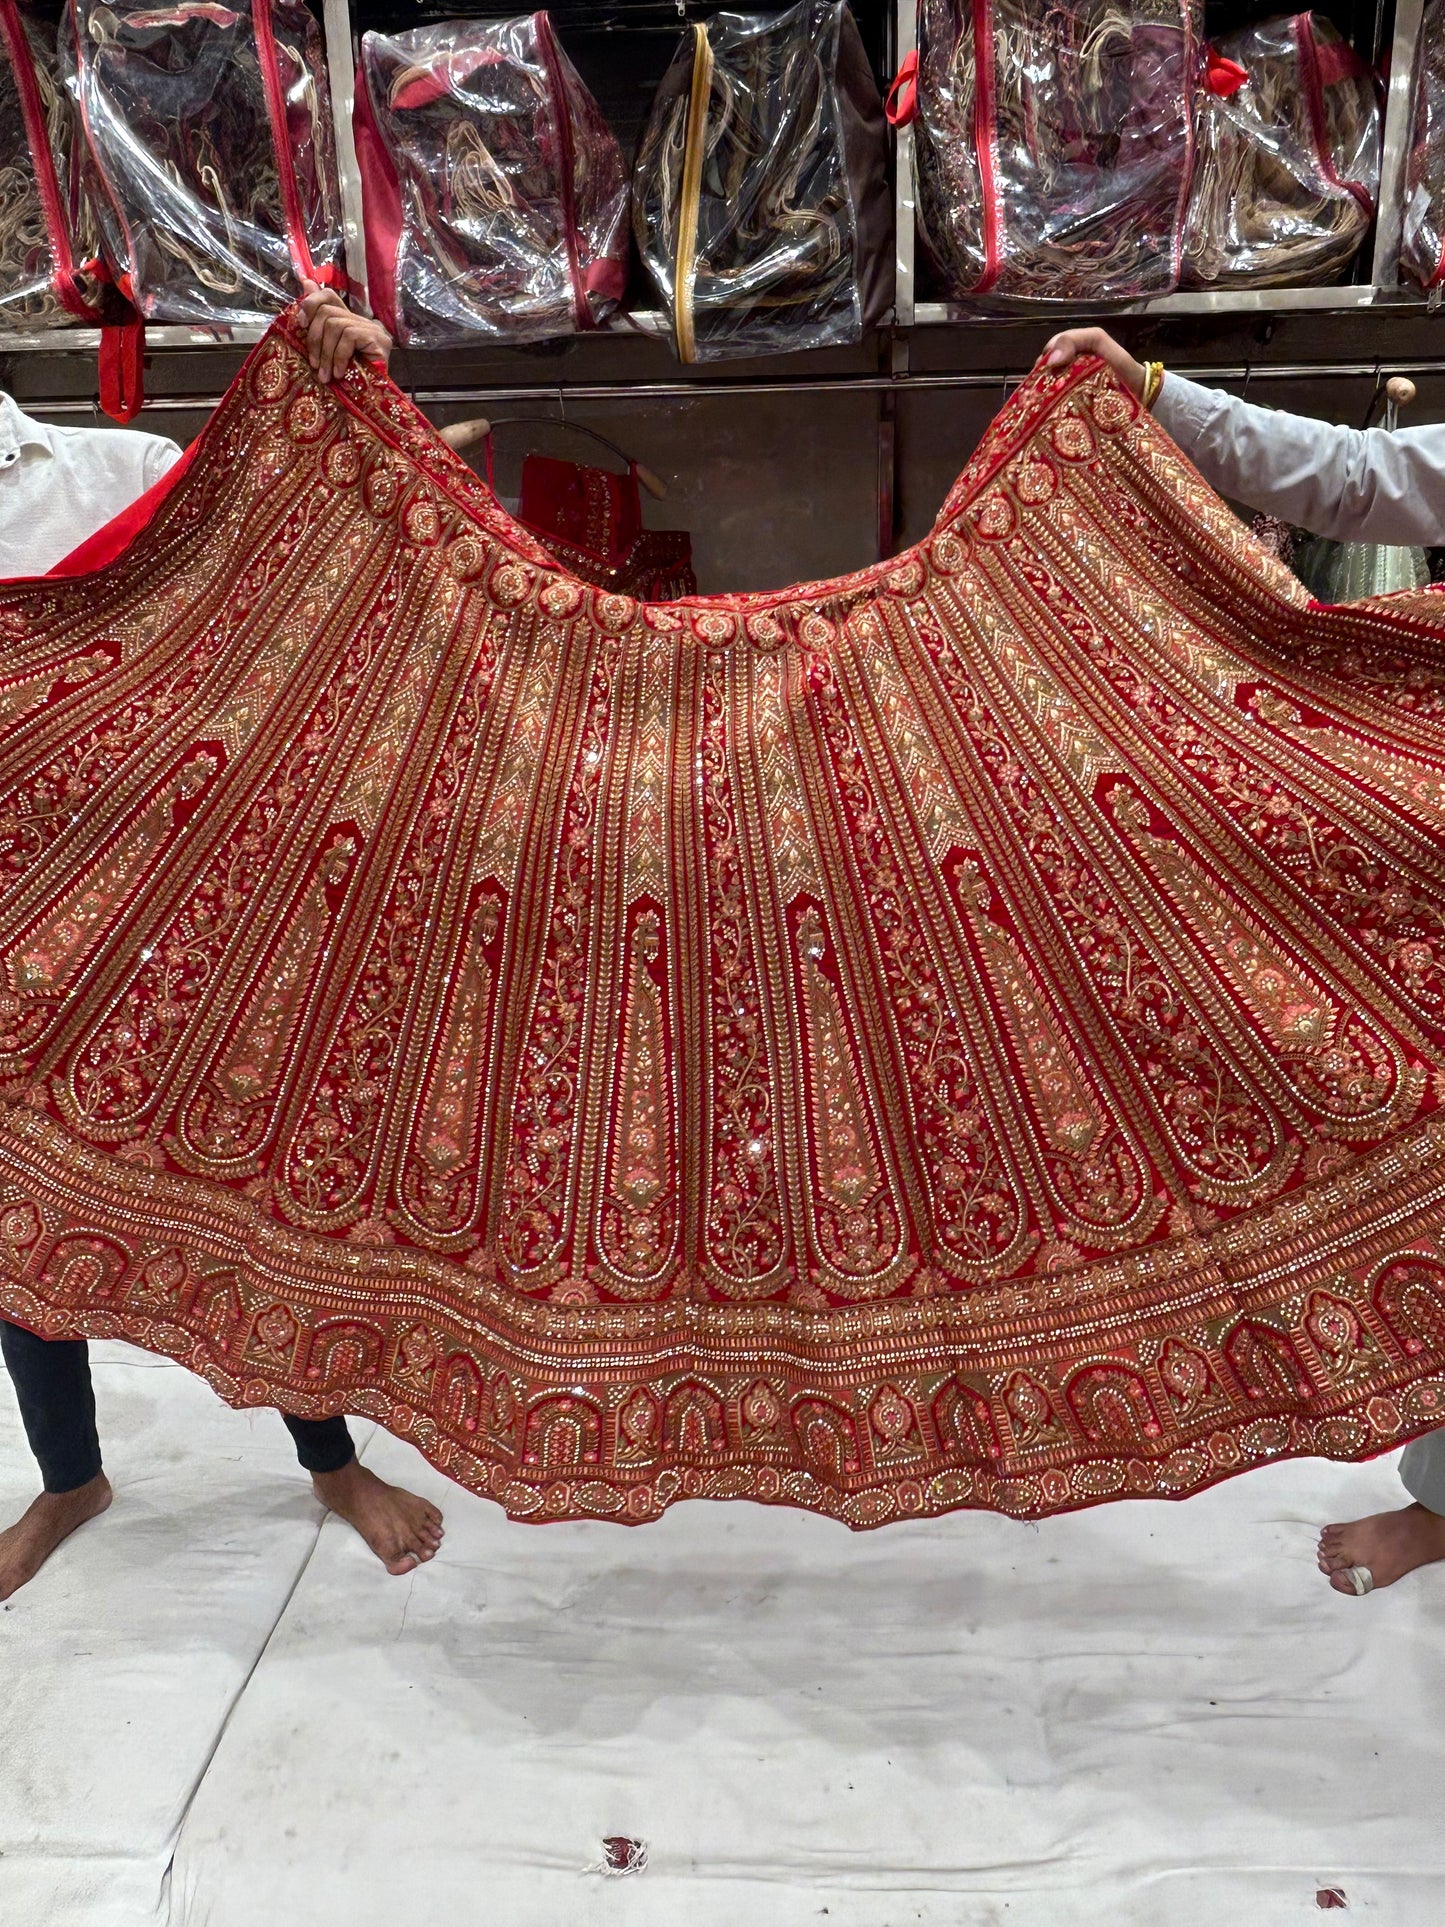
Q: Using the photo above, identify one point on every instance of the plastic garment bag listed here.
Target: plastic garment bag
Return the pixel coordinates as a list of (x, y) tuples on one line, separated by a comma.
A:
[(761, 202), (210, 126), (48, 234), (1054, 145), (496, 193), (1288, 158), (1422, 240)]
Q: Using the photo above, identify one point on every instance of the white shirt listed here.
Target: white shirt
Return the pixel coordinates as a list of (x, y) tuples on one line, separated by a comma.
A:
[(1354, 485), (59, 485)]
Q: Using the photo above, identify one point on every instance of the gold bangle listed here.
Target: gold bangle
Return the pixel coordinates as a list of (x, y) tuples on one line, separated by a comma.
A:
[(1153, 382)]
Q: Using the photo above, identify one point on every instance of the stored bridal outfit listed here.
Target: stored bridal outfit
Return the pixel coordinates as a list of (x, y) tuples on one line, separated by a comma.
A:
[(968, 1033)]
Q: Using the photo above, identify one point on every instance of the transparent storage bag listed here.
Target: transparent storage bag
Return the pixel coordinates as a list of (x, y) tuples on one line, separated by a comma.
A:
[(210, 126), (1053, 145), (495, 192), (1422, 238), (48, 234), (1288, 158), (761, 201)]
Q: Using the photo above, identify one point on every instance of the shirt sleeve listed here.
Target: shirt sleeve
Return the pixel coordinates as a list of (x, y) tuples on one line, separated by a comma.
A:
[(1354, 485), (159, 455)]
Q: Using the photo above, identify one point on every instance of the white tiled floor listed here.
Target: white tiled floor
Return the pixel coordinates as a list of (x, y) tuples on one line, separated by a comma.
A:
[(214, 1715)]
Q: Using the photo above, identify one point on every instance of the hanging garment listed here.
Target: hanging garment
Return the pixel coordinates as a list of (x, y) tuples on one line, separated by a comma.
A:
[(1353, 571), (48, 234), (496, 193), (971, 1032), (1288, 158), (1358, 571), (1054, 145), (1422, 241), (760, 197), (591, 521), (210, 129)]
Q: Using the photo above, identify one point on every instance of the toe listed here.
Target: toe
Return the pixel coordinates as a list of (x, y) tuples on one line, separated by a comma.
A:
[(1341, 1583), (403, 1563)]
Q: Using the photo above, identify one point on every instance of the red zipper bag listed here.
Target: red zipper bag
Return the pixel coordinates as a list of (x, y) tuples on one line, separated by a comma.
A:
[(1053, 145), (1422, 244), (1288, 158), (48, 255), (210, 129), (495, 192)]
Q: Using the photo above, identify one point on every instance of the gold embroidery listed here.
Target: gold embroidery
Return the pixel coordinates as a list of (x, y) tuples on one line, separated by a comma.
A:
[(51, 958), (638, 1218), (731, 1047), (1295, 1013)]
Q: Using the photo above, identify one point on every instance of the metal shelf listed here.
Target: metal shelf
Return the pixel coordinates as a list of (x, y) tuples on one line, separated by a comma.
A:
[(652, 324), (1347, 298), (85, 341)]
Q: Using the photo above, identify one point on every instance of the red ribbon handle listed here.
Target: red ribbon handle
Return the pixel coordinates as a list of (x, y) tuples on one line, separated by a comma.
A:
[(122, 369), (1223, 76), (901, 106)]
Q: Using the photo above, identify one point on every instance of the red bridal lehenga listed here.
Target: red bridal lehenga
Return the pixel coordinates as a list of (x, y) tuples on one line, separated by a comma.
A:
[(967, 1034)]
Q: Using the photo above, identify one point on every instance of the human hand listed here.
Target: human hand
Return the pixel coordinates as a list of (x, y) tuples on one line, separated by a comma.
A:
[(334, 334), (1074, 342)]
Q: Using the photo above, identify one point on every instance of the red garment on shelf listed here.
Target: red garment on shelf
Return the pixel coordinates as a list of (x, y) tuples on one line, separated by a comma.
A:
[(971, 1032), (591, 521)]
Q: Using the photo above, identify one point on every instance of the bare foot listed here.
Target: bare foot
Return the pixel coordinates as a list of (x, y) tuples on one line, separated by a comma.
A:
[(1389, 1544), (26, 1546), (401, 1529)]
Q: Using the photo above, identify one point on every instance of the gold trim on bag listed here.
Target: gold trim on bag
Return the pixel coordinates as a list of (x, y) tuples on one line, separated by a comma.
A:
[(692, 191)]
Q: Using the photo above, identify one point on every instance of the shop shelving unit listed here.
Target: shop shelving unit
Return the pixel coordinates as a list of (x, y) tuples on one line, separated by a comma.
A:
[(1380, 288), (1368, 327), (913, 308)]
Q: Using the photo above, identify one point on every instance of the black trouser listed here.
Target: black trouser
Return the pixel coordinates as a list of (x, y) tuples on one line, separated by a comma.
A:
[(57, 1406)]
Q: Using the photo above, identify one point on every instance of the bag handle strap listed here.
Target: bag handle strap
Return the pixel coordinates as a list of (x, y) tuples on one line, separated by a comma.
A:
[(901, 105)]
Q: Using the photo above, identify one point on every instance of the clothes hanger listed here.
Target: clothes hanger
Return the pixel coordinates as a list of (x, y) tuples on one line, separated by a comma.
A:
[(1374, 397), (462, 436)]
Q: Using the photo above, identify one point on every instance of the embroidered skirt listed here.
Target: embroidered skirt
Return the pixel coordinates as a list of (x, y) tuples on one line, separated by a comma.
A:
[(969, 1033)]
